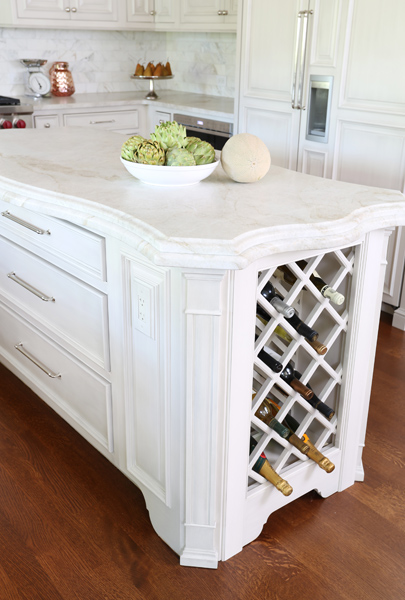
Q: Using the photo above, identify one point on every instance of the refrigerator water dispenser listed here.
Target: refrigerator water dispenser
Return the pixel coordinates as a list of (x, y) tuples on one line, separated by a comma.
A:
[(320, 96)]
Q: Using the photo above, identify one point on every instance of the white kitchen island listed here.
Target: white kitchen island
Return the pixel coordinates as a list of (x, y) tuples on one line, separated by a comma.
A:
[(131, 310)]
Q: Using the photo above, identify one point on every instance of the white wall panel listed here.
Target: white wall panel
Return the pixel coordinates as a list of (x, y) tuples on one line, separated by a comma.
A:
[(370, 154)]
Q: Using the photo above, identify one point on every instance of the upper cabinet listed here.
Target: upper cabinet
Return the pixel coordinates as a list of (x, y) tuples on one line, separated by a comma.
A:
[(209, 15), (155, 15), (158, 14), (68, 10)]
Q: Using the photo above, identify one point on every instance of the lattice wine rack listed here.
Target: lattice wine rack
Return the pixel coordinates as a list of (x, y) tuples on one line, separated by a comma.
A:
[(320, 371)]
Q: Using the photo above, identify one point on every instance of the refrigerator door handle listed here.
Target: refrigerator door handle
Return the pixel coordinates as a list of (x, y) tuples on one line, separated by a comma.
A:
[(305, 16), (297, 46)]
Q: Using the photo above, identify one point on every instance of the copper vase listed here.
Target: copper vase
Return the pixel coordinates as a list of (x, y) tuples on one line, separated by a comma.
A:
[(61, 79)]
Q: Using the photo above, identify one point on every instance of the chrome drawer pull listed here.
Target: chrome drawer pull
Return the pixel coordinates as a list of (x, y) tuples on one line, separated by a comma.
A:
[(98, 122), (24, 223), (37, 362), (30, 288)]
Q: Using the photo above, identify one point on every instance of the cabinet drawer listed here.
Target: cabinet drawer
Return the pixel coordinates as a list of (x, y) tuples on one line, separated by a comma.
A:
[(81, 396), (46, 121), (104, 120), (75, 246), (68, 307)]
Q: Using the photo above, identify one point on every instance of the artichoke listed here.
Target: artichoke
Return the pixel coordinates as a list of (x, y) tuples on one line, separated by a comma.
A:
[(129, 147), (191, 140), (170, 135), (179, 157), (203, 152), (149, 153)]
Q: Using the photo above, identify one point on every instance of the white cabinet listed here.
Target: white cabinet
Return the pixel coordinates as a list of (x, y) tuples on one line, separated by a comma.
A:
[(157, 117), (126, 119), (73, 10), (46, 121), (154, 12), (285, 47), (209, 15), (54, 314)]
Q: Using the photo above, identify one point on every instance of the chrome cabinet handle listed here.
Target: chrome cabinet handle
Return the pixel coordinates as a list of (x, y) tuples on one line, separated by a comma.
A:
[(152, 13), (98, 122), (67, 9), (297, 45), (8, 215), (305, 16), (47, 125), (224, 12), (74, 9), (219, 13), (36, 362), (30, 287)]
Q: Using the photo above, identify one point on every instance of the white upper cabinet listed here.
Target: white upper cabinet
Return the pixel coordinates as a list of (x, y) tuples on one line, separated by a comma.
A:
[(217, 14), (68, 10), (152, 11)]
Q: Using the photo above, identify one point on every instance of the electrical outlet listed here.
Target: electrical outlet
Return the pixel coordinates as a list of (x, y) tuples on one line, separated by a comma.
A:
[(143, 309)]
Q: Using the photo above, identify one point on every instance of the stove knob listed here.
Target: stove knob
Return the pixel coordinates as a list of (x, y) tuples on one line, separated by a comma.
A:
[(19, 123), (4, 124)]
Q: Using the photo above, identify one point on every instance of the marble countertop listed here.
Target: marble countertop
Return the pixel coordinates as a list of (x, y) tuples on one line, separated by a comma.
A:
[(76, 174), (216, 106)]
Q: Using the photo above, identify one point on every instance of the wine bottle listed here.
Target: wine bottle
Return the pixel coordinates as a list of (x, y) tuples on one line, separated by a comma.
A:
[(272, 362), (268, 356), (276, 300), (264, 318), (302, 328), (265, 469), (326, 290), (317, 402), (267, 413), (314, 454)]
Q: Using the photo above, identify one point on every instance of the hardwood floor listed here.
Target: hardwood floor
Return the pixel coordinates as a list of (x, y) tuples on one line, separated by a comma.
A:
[(72, 527)]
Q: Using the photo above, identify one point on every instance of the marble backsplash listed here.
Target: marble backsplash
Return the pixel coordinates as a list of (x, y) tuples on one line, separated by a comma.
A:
[(102, 61)]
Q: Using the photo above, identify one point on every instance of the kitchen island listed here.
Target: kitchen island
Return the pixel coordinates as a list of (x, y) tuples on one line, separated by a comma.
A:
[(131, 310)]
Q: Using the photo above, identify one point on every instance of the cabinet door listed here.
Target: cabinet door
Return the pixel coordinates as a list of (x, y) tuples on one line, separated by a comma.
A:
[(201, 11), (140, 11), (216, 13), (43, 9), (93, 10), (268, 66)]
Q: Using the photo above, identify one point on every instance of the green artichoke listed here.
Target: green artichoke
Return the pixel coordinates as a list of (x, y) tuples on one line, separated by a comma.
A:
[(129, 147), (191, 140), (150, 153), (179, 157), (203, 152), (170, 135)]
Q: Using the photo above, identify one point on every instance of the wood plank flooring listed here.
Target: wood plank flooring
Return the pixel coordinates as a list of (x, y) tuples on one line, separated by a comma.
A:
[(72, 527)]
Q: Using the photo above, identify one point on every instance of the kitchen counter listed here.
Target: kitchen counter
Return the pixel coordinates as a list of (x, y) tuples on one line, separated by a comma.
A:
[(70, 172), (217, 106), (133, 315)]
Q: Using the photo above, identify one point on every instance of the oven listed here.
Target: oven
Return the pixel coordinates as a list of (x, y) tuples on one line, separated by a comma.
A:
[(14, 115), (214, 132)]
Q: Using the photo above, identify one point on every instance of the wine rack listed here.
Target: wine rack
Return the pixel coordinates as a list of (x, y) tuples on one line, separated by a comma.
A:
[(322, 372)]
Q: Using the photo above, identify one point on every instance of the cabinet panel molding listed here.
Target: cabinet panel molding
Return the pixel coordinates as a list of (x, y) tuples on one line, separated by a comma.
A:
[(372, 78), (370, 154), (147, 395)]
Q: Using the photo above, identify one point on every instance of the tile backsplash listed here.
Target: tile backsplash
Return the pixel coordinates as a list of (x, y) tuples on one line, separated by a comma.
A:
[(102, 61)]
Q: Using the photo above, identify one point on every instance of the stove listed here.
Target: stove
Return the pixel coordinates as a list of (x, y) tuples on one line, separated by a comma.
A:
[(13, 114)]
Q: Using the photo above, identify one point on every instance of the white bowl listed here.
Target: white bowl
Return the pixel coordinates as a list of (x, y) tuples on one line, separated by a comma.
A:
[(162, 175)]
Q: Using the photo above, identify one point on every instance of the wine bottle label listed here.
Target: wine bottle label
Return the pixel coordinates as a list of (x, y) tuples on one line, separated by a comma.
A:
[(333, 295)]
